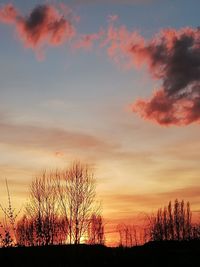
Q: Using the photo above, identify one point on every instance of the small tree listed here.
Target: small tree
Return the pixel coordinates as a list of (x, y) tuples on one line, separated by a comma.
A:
[(27, 232), (128, 235), (8, 227), (96, 230)]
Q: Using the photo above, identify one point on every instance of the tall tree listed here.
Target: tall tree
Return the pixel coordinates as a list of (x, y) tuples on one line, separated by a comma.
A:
[(172, 223), (77, 192)]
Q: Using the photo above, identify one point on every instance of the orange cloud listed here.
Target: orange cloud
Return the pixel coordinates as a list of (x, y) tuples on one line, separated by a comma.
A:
[(44, 25)]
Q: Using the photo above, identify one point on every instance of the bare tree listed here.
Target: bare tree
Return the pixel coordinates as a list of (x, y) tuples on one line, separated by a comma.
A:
[(77, 191), (96, 230), (43, 207)]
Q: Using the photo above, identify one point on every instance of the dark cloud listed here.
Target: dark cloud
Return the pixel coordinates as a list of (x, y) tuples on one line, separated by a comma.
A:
[(173, 57)]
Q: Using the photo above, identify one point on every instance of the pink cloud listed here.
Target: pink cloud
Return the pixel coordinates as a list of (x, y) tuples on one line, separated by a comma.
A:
[(86, 41), (44, 25), (119, 41), (8, 14)]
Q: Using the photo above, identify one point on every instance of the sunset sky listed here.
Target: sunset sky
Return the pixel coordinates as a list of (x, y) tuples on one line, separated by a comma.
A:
[(115, 84)]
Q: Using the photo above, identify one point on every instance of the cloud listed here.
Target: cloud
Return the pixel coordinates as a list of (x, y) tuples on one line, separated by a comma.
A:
[(119, 41), (168, 110), (86, 41), (45, 24), (8, 14), (62, 142), (173, 57), (128, 203), (55, 139)]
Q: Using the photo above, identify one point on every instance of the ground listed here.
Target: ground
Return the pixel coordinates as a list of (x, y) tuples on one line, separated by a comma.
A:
[(162, 254)]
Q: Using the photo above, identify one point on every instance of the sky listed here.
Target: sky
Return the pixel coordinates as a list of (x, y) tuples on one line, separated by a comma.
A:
[(112, 83)]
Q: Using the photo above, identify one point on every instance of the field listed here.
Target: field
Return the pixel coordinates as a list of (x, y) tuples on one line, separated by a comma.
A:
[(169, 254)]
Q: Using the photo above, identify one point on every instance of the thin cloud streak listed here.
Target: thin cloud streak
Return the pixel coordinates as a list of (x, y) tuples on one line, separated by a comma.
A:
[(28, 135), (130, 202)]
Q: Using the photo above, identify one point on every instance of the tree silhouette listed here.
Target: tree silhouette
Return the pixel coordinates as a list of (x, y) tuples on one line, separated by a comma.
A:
[(8, 227), (128, 235), (96, 230), (172, 223), (77, 191)]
